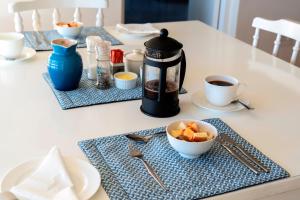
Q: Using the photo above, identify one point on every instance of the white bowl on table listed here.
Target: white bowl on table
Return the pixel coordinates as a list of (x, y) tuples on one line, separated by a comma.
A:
[(11, 45), (125, 80), (69, 31), (134, 60), (188, 149)]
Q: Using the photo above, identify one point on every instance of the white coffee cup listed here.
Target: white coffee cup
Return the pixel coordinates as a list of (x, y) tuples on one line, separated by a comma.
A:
[(221, 90), (11, 45)]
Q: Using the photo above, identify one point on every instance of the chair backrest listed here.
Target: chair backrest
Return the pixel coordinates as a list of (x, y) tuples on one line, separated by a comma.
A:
[(34, 5), (280, 27)]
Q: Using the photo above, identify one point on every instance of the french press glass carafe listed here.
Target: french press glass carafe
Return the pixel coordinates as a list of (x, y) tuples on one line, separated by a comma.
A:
[(163, 74)]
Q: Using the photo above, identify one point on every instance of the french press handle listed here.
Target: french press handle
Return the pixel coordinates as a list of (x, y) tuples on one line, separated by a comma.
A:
[(182, 69)]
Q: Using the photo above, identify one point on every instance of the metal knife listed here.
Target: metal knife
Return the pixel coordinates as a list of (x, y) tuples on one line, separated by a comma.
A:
[(228, 139), (238, 157)]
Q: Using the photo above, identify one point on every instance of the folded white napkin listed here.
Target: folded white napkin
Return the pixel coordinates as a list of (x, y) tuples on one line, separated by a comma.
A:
[(137, 28), (50, 181)]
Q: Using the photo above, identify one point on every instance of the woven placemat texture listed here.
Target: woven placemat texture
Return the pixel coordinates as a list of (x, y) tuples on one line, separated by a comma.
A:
[(37, 41), (87, 94), (213, 173)]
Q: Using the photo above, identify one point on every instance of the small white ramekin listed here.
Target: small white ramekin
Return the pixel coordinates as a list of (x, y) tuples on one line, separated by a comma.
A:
[(125, 84)]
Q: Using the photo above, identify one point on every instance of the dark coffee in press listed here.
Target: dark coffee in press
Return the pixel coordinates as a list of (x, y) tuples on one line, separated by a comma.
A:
[(152, 87)]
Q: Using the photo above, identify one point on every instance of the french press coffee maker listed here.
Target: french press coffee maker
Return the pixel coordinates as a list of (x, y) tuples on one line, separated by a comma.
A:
[(163, 74)]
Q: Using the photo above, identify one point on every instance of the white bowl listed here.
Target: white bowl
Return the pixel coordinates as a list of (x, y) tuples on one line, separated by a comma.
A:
[(125, 83), (133, 60), (69, 32), (187, 149), (11, 45)]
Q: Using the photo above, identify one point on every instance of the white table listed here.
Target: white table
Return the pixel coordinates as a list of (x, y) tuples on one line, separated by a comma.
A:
[(32, 120)]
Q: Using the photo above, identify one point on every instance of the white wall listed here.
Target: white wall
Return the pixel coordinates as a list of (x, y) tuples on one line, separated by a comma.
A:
[(270, 9), (112, 15), (221, 14)]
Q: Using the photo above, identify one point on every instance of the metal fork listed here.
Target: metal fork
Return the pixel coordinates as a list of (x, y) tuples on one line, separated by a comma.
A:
[(138, 154), (230, 141), (142, 138)]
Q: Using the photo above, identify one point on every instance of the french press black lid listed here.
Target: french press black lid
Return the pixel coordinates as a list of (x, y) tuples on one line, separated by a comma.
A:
[(163, 46)]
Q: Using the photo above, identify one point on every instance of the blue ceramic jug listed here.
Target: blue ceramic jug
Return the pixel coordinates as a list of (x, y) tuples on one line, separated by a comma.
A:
[(65, 65)]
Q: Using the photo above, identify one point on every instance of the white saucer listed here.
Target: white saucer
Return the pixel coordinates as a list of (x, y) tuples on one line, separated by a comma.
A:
[(26, 54), (135, 35), (85, 177), (138, 30), (200, 100)]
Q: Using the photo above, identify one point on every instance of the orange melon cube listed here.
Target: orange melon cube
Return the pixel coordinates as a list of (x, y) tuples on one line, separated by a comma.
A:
[(188, 133), (193, 126)]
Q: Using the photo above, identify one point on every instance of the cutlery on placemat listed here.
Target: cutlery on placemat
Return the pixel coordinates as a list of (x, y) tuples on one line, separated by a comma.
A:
[(142, 138), (43, 38), (7, 196), (242, 103), (138, 154), (36, 38), (237, 156), (230, 141)]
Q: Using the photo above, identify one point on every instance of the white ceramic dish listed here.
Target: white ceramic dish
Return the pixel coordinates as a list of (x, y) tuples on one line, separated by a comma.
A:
[(187, 149), (137, 30), (85, 177), (11, 45), (199, 100), (134, 60), (124, 83), (221, 95), (27, 53), (69, 32)]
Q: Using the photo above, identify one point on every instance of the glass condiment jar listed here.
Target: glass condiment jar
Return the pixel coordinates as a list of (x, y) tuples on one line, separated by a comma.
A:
[(103, 65), (91, 57), (116, 61)]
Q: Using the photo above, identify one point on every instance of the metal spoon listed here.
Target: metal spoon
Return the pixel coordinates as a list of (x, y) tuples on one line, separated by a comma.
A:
[(141, 138), (243, 104), (7, 196)]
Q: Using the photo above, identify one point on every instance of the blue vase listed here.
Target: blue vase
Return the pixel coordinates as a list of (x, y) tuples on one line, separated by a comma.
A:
[(65, 65)]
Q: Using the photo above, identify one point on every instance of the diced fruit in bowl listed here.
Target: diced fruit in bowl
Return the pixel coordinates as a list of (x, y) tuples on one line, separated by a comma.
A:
[(191, 133), (69, 29), (191, 138), (68, 24)]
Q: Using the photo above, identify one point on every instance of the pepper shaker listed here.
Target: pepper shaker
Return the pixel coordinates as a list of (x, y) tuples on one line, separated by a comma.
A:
[(103, 65)]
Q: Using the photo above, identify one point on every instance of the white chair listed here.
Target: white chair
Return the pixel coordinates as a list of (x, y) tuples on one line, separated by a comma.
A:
[(34, 5), (281, 27)]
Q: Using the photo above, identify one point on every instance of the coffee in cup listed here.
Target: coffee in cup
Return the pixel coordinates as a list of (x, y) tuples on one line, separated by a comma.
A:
[(11, 45), (221, 90)]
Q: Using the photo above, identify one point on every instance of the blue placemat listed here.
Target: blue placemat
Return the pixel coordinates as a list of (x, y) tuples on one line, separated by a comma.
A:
[(213, 173), (87, 94), (37, 40)]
